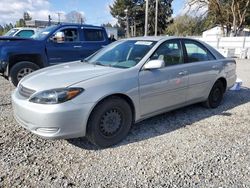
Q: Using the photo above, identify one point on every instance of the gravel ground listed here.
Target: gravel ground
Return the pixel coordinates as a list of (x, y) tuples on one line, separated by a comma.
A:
[(189, 147)]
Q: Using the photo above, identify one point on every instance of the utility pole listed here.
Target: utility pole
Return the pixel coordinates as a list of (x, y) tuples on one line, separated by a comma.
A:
[(156, 17), (146, 19), (59, 16), (127, 24)]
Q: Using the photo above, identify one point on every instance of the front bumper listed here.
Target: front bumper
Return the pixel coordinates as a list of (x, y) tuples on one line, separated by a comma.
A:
[(66, 120)]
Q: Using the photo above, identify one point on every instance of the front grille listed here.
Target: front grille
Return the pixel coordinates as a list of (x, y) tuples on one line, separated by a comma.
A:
[(25, 92)]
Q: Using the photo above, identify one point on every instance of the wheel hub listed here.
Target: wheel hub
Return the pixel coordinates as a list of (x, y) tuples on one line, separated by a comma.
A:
[(23, 72), (216, 94), (110, 122)]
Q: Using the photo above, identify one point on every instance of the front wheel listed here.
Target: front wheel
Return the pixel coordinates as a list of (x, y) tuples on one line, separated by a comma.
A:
[(215, 96), (109, 122), (21, 69)]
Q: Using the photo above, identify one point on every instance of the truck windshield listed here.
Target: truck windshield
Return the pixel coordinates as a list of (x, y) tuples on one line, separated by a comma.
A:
[(122, 54), (42, 34)]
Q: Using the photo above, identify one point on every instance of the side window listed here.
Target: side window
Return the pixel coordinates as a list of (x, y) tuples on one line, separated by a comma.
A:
[(93, 35), (70, 34), (170, 52), (196, 52), (25, 33)]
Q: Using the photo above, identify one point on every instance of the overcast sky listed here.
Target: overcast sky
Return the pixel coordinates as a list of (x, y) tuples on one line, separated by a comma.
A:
[(96, 12)]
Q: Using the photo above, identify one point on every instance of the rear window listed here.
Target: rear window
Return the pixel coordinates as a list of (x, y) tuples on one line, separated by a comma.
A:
[(93, 35)]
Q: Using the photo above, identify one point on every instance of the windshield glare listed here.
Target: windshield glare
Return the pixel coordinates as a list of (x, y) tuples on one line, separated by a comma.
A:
[(42, 34), (122, 54)]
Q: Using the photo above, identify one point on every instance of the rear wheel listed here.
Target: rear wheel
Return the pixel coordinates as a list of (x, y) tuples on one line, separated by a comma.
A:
[(21, 69), (215, 96), (109, 122)]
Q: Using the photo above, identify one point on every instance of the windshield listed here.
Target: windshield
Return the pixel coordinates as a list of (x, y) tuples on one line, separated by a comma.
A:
[(122, 54), (42, 34), (11, 32)]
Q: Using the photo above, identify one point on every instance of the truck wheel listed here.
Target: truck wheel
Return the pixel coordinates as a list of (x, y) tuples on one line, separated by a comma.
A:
[(21, 69), (109, 122)]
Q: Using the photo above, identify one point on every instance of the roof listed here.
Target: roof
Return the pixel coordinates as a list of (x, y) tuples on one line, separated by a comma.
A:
[(152, 38), (25, 28)]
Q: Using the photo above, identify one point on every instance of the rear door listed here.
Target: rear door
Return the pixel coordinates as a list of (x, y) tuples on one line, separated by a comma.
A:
[(166, 87), (68, 49), (203, 69), (93, 40)]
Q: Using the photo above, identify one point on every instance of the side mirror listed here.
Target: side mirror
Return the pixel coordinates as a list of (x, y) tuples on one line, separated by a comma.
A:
[(154, 64), (58, 37)]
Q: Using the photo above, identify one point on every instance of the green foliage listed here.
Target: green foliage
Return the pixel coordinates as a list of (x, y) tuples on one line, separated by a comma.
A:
[(20, 23), (4, 29), (136, 14), (187, 25)]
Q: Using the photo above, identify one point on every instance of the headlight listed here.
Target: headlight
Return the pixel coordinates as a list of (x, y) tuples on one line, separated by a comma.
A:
[(55, 96)]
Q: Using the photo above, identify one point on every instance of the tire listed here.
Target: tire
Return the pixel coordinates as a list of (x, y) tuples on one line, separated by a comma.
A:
[(21, 69), (215, 96), (110, 122)]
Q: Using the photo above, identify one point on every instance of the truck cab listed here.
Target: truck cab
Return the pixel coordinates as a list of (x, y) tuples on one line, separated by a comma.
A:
[(53, 45)]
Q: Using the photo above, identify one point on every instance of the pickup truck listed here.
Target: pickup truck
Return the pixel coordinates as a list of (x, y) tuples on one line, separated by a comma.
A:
[(50, 46)]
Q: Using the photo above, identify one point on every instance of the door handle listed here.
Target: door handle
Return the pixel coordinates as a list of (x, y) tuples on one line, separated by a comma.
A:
[(77, 46), (215, 66), (182, 73)]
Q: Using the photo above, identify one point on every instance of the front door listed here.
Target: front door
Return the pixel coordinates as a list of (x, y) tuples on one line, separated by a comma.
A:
[(68, 48), (166, 87)]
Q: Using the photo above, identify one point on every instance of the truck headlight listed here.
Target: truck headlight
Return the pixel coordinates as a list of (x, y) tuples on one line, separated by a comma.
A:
[(55, 96)]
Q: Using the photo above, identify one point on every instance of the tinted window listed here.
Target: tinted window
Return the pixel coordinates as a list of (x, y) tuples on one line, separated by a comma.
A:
[(170, 52), (196, 52), (93, 35), (25, 33)]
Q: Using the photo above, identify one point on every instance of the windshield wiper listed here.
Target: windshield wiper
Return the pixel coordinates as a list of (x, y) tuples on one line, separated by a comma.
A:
[(98, 63)]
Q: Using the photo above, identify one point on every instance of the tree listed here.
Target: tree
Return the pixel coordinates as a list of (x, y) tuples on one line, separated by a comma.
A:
[(107, 25), (26, 16), (136, 14), (188, 25), (21, 21), (227, 13), (75, 17)]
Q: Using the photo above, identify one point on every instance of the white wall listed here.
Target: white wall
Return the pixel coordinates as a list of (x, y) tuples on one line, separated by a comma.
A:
[(230, 46)]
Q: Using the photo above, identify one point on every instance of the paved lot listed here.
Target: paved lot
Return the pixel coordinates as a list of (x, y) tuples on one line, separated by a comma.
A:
[(190, 147)]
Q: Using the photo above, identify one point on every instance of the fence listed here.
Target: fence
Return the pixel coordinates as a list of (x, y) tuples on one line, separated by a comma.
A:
[(230, 46)]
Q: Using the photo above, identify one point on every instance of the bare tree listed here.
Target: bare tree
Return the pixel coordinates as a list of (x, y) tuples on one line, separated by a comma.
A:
[(227, 13), (75, 17)]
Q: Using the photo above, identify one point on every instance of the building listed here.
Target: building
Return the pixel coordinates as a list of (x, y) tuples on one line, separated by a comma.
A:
[(217, 32), (39, 23)]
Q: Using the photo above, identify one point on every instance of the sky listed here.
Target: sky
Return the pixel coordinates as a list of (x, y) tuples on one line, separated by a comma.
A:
[(96, 12)]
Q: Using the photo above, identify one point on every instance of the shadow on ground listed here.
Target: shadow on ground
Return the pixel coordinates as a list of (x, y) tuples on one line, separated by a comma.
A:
[(171, 121)]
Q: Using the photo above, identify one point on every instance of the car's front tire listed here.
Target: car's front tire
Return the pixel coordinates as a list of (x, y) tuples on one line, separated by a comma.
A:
[(215, 96), (21, 69), (109, 122)]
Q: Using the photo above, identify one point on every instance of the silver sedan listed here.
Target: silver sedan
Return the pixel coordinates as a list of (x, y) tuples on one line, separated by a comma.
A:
[(124, 83)]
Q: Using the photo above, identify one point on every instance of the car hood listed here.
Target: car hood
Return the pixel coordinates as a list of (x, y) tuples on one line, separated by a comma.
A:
[(64, 75)]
